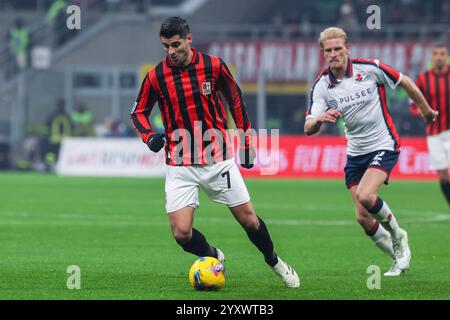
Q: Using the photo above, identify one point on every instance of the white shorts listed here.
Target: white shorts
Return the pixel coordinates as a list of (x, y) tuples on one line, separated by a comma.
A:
[(222, 182), (439, 150)]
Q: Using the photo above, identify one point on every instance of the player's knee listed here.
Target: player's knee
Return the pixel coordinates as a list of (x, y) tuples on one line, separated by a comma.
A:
[(366, 199), (251, 223), (181, 236)]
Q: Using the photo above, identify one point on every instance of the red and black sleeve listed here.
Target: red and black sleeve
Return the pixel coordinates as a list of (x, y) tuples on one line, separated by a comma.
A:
[(142, 108), (233, 95), (412, 106)]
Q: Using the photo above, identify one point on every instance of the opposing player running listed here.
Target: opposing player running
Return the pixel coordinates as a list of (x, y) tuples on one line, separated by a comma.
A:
[(188, 86), (435, 86), (354, 89)]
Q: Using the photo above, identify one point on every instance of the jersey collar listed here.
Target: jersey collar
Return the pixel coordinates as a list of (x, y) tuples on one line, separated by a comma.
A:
[(444, 74), (348, 73), (195, 60)]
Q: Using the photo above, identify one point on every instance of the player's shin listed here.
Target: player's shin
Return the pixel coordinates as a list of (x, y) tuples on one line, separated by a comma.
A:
[(198, 245), (261, 239), (445, 187), (381, 238), (381, 212)]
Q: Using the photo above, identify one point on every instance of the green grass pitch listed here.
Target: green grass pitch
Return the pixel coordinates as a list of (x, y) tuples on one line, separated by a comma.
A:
[(116, 231)]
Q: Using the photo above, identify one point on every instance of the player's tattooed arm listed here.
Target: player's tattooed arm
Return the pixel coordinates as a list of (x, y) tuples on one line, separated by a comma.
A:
[(419, 100), (313, 124)]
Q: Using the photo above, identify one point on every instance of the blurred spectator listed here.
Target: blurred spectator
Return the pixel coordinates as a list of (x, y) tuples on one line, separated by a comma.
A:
[(59, 127), (82, 121), (117, 129), (292, 24), (18, 40), (4, 154), (157, 123), (305, 26), (30, 156), (54, 10), (347, 16), (277, 26), (59, 123), (56, 20)]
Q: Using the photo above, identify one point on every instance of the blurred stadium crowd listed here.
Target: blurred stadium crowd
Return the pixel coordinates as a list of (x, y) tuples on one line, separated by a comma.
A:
[(26, 24)]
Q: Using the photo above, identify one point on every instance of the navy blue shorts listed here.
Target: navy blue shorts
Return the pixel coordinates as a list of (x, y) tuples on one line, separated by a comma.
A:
[(356, 166)]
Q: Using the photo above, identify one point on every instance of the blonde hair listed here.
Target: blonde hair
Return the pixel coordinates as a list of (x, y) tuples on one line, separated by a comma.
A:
[(330, 33)]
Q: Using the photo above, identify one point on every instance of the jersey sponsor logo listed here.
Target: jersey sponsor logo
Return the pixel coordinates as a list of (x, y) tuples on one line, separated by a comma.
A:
[(356, 96), (376, 160), (206, 88), (358, 77), (332, 104)]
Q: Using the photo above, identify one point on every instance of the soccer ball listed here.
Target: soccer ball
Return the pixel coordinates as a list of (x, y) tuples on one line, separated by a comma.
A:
[(207, 273)]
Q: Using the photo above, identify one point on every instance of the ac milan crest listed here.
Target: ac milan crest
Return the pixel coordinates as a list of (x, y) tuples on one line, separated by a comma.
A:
[(206, 87)]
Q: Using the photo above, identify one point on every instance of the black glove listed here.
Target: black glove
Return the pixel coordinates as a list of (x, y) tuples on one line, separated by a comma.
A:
[(247, 157), (431, 117), (156, 142)]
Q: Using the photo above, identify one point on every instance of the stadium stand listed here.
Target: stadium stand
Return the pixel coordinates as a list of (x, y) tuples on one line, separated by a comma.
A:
[(101, 65)]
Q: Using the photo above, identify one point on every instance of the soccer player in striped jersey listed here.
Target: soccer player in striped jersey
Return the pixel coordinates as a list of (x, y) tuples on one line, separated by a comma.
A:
[(188, 86), (435, 86), (354, 89)]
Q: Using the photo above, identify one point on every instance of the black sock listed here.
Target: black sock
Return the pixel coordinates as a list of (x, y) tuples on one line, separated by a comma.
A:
[(445, 187), (261, 239), (198, 245)]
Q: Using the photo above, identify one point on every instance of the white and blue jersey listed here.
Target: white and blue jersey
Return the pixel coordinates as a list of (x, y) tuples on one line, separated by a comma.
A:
[(361, 99)]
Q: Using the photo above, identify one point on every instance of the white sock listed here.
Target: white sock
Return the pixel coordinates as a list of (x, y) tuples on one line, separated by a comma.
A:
[(387, 219), (382, 239)]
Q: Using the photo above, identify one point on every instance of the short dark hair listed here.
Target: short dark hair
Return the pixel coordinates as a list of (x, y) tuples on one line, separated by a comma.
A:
[(440, 44), (174, 26)]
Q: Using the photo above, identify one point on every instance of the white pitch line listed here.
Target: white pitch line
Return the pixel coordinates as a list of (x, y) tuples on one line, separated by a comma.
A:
[(326, 208), (115, 220)]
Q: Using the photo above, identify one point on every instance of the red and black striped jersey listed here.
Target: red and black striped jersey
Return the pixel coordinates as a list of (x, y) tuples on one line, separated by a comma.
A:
[(436, 89), (190, 101)]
